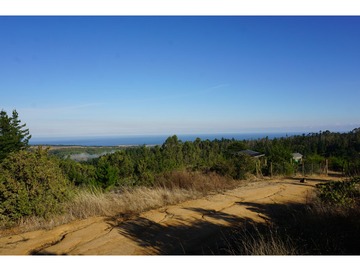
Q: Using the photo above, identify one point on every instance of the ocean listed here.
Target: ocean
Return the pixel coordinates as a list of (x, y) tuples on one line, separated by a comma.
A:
[(149, 139)]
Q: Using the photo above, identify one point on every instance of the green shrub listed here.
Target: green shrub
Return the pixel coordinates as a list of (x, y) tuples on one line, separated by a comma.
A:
[(107, 174), (340, 192), (81, 174), (223, 168), (315, 158), (243, 164), (31, 184), (336, 163)]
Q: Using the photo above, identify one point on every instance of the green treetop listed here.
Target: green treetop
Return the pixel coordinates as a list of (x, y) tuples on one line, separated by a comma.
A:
[(13, 136)]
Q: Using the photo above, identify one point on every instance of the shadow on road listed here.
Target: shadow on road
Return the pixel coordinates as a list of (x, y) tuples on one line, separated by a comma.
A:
[(202, 237), (199, 238), (288, 229)]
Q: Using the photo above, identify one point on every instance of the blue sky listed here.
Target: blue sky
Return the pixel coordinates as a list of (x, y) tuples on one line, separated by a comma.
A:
[(109, 76)]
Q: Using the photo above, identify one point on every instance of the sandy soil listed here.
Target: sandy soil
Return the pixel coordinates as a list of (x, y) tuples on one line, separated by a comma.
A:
[(191, 227)]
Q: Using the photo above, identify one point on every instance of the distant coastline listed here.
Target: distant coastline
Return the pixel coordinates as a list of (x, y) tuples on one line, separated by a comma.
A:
[(151, 140)]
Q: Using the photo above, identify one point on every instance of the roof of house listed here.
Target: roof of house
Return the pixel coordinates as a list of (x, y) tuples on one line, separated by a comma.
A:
[(252, 153), (297, 155)]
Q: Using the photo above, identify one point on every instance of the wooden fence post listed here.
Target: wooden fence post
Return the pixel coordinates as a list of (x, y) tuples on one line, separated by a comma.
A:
[(303, 169), (326, 166)]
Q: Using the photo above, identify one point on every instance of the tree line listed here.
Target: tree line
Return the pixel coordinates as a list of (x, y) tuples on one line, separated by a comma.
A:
[(142, 165), (342, 150)]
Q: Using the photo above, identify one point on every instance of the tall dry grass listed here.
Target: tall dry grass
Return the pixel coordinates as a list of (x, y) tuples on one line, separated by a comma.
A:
[(256, 239), (130, 200), (204, 183), (170, 188), (90, 203)]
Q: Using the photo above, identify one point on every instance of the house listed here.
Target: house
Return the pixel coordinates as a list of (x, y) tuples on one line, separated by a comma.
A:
[(252, 153), (297, 157)]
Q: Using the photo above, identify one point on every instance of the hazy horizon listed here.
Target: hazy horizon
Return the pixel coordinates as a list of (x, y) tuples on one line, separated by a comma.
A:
[(148, 139), (194, 134), (126, 75), (159, 139)]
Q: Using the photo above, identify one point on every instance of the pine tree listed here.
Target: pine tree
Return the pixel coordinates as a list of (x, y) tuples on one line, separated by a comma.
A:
[(13, 135)]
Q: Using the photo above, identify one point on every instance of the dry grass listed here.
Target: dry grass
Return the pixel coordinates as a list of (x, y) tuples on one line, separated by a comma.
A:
[(135, 200), (171, 188), (255, 239), (204, 183), (90, 203)]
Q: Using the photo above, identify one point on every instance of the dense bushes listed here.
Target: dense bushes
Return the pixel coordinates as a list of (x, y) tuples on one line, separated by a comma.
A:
[(81, 174), (142, 166), (343, 193), (31, 184)]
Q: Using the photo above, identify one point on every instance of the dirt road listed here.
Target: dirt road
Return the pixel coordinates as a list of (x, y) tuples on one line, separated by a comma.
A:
[(191, 227)]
